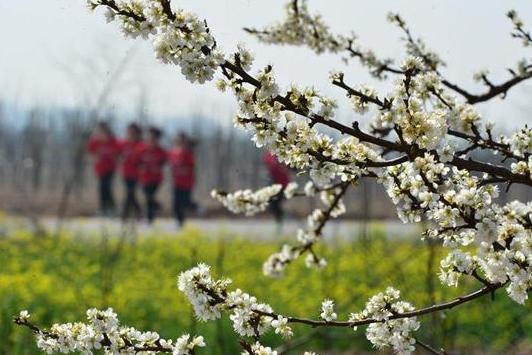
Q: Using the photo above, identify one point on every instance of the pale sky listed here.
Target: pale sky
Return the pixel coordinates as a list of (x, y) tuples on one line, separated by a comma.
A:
[(55, 52)]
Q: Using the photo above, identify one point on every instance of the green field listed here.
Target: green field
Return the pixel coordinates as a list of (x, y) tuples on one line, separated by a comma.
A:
[(58, 278)]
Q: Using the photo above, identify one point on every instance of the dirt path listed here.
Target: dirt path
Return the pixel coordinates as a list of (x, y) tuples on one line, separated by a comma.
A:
[(262, 229)]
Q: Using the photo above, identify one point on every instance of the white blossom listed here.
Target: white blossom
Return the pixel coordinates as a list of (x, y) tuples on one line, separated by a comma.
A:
[(247, 201), (281, 327), (327, 311), (394, 333)]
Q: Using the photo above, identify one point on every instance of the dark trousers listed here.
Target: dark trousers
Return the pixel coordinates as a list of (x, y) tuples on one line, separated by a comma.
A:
[(131, 204), (107, 202), (276, 208), (152, 206), (182, 202)]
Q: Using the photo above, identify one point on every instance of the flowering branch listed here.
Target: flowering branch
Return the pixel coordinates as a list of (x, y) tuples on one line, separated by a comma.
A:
[(250, 318), (276, 263), (103, 331), (429, 177), (291, 31)]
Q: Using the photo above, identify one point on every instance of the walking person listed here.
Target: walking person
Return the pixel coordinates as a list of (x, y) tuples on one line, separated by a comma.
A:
[(279, 174), (182, 163), (103, 147), (130, 167), (151, 158)]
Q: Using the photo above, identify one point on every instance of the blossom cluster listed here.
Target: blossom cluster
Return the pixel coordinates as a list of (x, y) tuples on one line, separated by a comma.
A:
[(247, 201), (211, 297), (103, 331), (386, 331), (519, 31), (421, 111), (259, 349), (300, 27), (464, 215), (179, 37), (520, 142), (306, 238), (327, 311)]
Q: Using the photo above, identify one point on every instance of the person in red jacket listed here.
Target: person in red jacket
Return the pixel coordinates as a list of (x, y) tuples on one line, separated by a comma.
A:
[(279, 174), (151, 158), (182, 163), (128, 147), (104, 149)]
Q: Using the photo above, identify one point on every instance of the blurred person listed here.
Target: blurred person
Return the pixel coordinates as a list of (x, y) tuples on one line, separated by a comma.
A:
[(182, 163), (103, 147), (279, 174), (130, 170), (151, 157)]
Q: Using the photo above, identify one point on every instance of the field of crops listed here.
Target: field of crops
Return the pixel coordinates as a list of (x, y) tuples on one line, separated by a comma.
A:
[(58, 278)]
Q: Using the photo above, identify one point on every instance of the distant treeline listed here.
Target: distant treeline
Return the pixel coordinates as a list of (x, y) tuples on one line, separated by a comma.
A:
[(44, 168)]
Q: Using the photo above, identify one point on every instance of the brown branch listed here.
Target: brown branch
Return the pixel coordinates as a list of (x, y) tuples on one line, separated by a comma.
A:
[(383, 104), (167, 8), (493, 91), (415, 313), (430, 349), (120, 11)]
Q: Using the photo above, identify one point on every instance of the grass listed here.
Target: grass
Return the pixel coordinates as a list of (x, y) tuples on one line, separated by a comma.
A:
[(57, 279)]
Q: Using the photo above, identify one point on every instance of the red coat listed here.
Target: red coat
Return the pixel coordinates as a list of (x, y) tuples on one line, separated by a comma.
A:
[(105, 154), (182, 164), (151, 160), (279, 173), (130, 164)]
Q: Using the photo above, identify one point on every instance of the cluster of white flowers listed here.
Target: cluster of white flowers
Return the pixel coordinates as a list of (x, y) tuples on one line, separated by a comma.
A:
[(520, 142), (205, 294), (327, 311), (211, 297), (276, 263), (516, 20), (179, 37), (102, 331), (523, 167), (519, 31), (465, 215), (360, 104), (409, 114), (290, 189), (300, 28), (281, 327), (481, 75), (457, 263), (310, 189), (389, 332), (247, 201), (259, 349)]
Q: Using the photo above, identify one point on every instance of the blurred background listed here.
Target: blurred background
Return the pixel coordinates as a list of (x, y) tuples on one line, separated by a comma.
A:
[(63, 69)]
